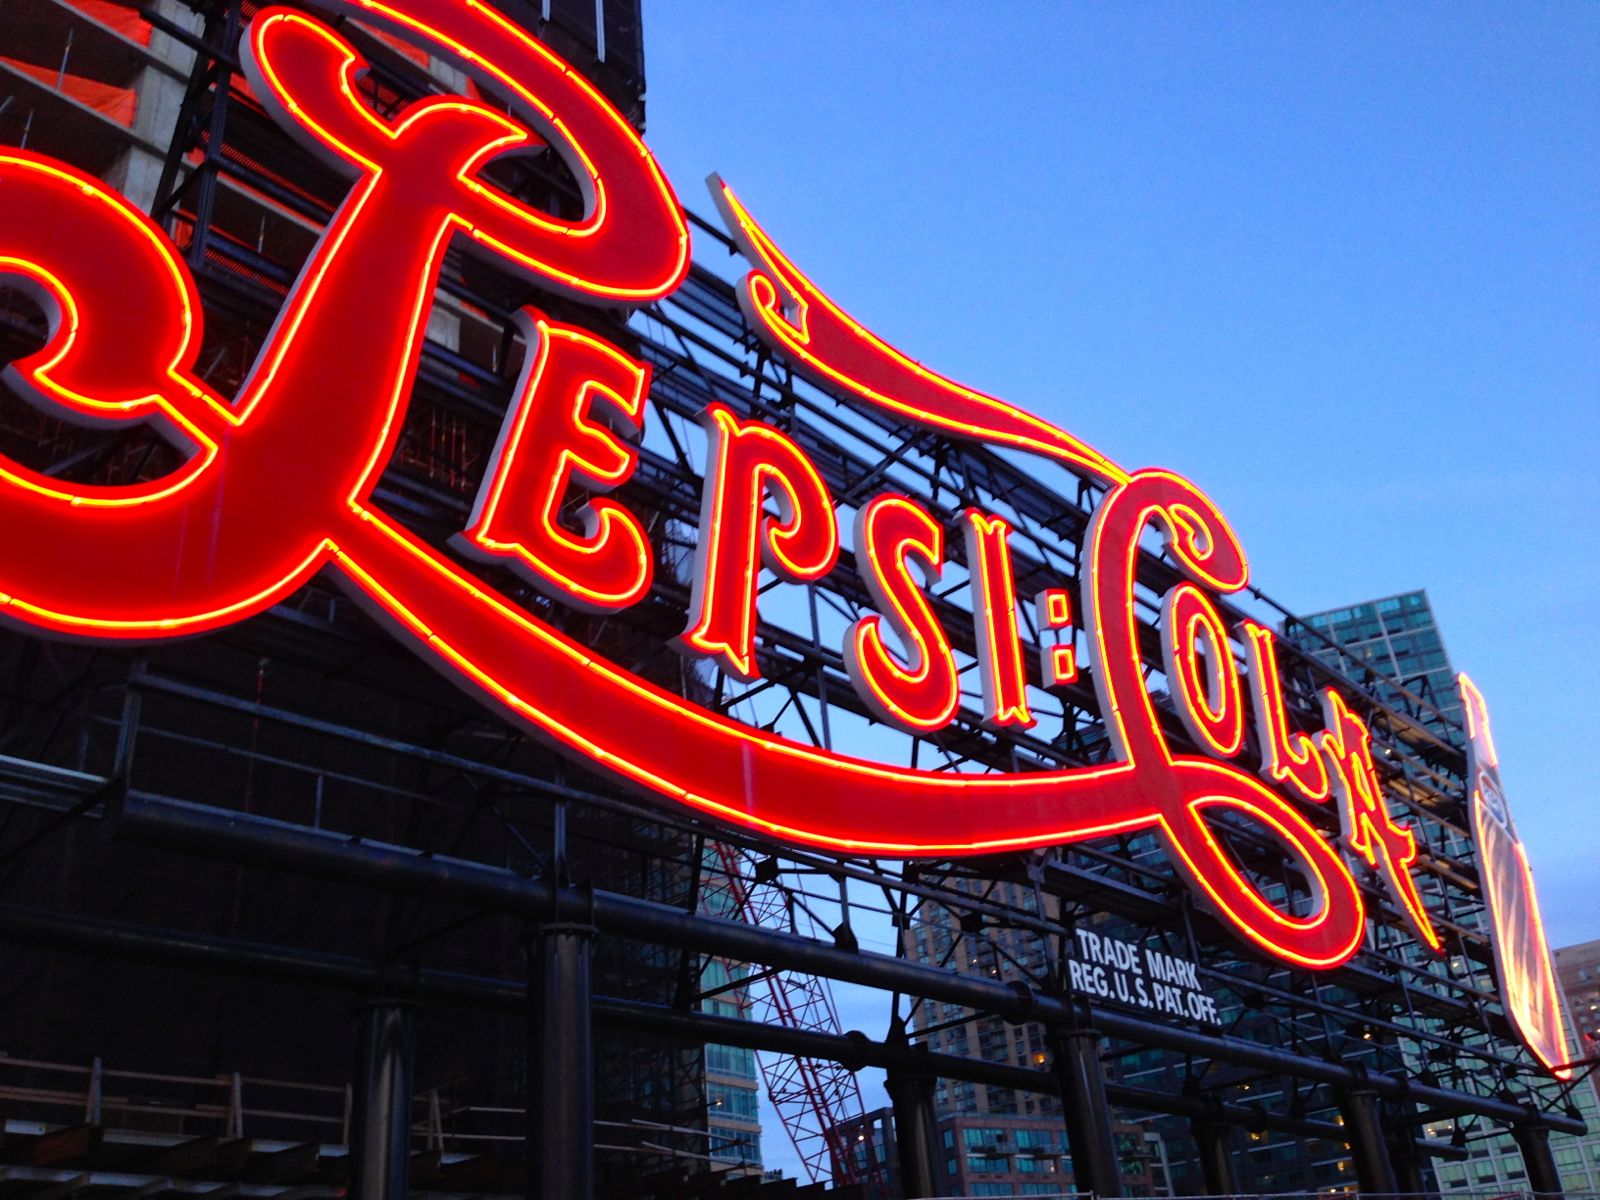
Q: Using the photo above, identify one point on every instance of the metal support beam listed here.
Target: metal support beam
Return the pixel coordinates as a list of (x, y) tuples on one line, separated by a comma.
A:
[(1368, 1146), (380, 1148), (560, 1062), (1410, 1160), (55, 933), (916, 1132), (1534, 1142), (1214, 1141), (1082, 1080), (1408, 1169), (227, 835)]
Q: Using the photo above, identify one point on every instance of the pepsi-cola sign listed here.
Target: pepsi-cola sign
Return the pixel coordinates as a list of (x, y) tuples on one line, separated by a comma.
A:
[(276, 485)]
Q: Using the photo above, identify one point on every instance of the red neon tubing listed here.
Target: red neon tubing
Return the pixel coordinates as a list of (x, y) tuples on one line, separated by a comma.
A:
[(278, 484)]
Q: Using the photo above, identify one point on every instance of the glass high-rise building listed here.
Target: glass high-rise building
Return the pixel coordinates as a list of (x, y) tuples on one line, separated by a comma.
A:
[(1394, 647), (1397, 639)]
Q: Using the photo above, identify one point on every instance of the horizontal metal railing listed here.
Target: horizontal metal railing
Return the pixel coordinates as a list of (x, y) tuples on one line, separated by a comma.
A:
[(164, 1102)]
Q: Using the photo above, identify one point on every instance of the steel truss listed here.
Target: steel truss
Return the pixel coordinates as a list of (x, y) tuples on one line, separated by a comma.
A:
[(816, 1097), (311, 714)]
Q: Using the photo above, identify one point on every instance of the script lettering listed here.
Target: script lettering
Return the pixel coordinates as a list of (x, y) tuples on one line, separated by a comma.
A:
[(895, 536), (579, 404)]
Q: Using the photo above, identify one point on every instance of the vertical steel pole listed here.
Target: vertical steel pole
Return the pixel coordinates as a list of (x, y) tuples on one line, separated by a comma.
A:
[(1368, 1147), (1409, 1166), (916, 1133), (560, 1063), (1082, 1080), (380, 1142), (1534, 1142), (1214, 1140), (216, 129)]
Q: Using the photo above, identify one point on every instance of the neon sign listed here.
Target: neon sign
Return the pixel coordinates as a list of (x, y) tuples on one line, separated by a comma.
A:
[(277, 485), (1521, 954)]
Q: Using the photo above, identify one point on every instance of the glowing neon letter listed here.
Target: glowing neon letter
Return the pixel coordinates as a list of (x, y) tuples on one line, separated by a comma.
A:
[(1187, 788), (279, 482), (552, 437), (630, 246), (1369, 830), (994, 609), (893, 535), (749, 463), (1211, 708), (277, 477), (1288, 756), (1058, 664)]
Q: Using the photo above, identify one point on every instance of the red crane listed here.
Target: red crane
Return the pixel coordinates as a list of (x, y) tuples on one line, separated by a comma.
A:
[(815, 1098)]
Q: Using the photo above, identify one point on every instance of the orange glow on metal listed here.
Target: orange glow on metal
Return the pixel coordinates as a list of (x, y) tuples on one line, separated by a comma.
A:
[(1210, 700), (1288, 757), (106, 359), (277, 484), (894, 536), (1369, 829), (748, 464), (1058, 663), (1528, 983), (994, 609)]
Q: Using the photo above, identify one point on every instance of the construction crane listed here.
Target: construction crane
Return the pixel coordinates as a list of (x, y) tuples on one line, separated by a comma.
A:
[(816, 1099)]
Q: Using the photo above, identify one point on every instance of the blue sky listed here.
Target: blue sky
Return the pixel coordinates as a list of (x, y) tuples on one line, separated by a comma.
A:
[(1340, 265)]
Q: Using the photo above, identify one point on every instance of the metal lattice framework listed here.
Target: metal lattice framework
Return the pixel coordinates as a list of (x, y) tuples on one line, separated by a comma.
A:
[(311, 711), (815, 1098)]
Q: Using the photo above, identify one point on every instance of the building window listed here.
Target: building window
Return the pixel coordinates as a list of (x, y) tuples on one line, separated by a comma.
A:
[(730, 1060), (734, 1102)]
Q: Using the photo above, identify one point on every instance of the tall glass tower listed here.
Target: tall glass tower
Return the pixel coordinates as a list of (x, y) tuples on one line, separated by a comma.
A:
[(1396, 638), (1397, 641)]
